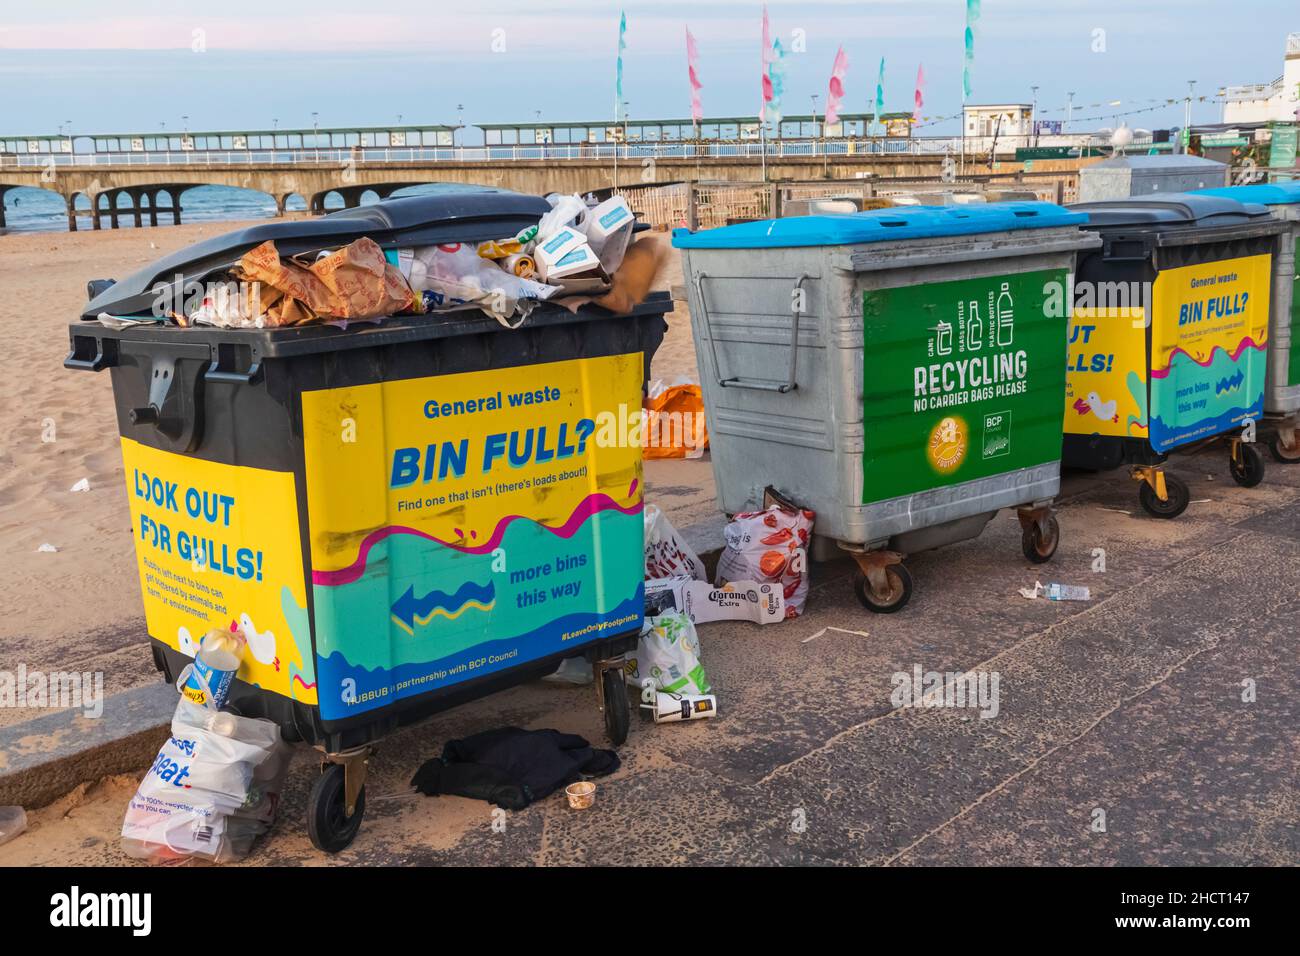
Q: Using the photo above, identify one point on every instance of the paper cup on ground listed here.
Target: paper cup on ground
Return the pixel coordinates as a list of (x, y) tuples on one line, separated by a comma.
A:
[(581, 795)]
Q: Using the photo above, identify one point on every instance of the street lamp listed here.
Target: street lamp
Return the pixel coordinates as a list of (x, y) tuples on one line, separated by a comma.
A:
[(1033, 115), (315, 135), (1187, 117)]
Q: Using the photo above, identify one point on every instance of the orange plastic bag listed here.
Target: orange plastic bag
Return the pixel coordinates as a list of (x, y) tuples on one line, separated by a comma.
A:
[(674, 417)]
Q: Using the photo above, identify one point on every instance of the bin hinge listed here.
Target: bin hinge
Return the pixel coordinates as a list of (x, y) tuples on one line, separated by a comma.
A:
[(90, 353), (224, 364)]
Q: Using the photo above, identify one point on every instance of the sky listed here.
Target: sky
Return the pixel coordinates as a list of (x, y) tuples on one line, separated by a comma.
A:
[(135, 65)]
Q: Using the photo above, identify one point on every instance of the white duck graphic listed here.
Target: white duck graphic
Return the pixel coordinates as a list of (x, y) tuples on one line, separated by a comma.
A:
[(188, 645), (1106, 411), (260, 644)]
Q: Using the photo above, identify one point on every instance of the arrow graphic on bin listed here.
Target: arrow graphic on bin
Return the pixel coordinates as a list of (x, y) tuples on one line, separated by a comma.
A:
[(409, 610)]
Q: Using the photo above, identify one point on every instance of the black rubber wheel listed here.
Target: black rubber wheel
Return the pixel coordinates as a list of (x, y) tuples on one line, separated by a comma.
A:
[(617, 712), (1175, 504), (328, 824), (1039, 547), (1248, 469), (1281, 454), (900, 590)]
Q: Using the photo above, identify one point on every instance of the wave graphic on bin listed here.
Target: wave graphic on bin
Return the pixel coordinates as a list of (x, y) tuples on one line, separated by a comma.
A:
[(1200, 399), (588, 507), (1215, 353), (386, 684)]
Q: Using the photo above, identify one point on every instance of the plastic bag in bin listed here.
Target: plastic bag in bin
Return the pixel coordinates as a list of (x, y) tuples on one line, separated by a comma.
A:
[(770, 547)]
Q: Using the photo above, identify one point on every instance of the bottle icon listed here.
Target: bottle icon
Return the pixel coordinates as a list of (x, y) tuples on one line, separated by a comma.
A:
[(1006, 317), (945, 338), (974, 329)]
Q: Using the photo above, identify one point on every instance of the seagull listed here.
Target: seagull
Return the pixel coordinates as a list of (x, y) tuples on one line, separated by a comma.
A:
[(260, 645), (188, 645), (1106, 411)]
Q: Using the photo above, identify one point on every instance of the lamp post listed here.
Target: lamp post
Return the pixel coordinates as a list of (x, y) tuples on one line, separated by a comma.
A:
[(1033, 117), (1187, 117), (315, 135)]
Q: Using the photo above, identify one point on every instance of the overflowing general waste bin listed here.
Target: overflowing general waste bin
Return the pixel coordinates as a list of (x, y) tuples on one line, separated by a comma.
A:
[(397, 516), (1168, 339), (899, 372), (1282, 381)]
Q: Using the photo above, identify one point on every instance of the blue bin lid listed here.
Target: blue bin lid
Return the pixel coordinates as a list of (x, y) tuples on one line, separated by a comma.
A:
[(1266, 194), (880, 225)]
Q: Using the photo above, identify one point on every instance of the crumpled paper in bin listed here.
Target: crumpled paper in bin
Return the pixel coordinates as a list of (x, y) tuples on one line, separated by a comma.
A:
[(355, 282)]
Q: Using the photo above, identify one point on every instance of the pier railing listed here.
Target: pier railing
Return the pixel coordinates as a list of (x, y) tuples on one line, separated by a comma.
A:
[(558, 152)]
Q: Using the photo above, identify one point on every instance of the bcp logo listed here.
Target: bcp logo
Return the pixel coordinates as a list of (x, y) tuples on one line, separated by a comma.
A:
[(997, 434)]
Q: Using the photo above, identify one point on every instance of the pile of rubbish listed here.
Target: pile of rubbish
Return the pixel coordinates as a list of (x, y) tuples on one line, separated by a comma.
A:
[(573, 255), (762, 577), (215, 785)]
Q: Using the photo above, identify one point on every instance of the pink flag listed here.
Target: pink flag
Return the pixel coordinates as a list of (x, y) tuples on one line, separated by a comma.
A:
[(920, 87), (693, 70), (766, 61), (835, 94)]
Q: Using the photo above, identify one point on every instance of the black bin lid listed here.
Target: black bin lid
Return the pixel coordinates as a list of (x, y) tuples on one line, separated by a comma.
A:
[(1170, 211), (474, 215)]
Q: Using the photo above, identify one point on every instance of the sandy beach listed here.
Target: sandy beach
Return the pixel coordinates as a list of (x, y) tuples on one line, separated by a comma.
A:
[(80, 608)]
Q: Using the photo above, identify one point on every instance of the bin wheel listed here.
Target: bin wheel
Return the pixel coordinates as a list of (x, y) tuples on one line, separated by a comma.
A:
[(328, 824), (1039, 547), (900, 590), (1281, 453), (617, 712), (1248, 467), (1175, 504)]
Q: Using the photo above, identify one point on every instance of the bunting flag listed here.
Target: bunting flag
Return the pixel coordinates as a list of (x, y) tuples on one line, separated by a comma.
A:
[(972, 17), (766, 62), (693, 73), (880, 93), (835, 94), (918, 100), (776, 77), (618, 69)]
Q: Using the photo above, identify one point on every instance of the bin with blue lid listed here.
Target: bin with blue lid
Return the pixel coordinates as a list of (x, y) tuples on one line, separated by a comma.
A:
[(1282, 381), (1168, 340), (898, 371)]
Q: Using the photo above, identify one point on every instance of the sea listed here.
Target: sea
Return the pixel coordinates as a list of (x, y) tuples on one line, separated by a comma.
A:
[(40, 210)]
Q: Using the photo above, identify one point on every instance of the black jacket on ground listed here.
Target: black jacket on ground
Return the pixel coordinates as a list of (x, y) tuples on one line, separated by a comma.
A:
[(512, 768)]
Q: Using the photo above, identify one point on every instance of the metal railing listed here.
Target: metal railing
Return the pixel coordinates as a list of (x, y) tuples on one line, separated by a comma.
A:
[(549, 152)]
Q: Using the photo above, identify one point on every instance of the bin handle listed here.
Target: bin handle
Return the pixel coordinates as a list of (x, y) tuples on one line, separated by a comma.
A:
[(758, 384)]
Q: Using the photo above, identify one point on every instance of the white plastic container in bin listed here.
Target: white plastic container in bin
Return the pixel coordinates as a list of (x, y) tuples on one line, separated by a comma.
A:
[(899, 371)]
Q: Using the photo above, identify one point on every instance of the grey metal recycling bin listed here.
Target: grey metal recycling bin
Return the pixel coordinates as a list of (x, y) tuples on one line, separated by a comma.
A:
[(900, 371)]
